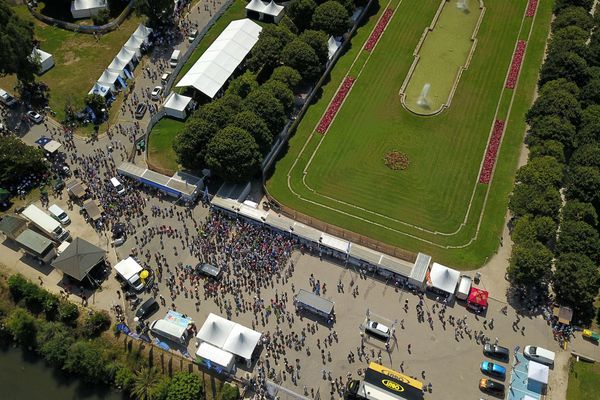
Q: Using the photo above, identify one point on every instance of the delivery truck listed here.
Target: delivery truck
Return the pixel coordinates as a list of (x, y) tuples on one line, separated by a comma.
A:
[(45, 223)]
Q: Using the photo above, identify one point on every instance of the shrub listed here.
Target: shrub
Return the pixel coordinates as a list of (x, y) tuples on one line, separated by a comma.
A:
[(124, 377), (68, 313), (230, 392), (84, 359), (185, 386), (17, 285), (101, 17), (95, 324), (23, 327)]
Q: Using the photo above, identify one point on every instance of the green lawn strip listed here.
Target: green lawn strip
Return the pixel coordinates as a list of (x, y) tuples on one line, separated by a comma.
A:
[(584, 381), (160, 149), (483, 81), (235, 11)]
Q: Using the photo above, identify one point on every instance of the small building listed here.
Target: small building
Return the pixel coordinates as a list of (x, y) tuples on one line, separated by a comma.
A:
[(46, 60), (177, 105), (306, 300), (87, 8), (36, 245), (12, 225), (79, 258), (419, 271), (264, 11)]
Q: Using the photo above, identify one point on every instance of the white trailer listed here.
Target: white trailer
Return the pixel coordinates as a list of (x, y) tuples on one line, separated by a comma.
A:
[(46, 223)]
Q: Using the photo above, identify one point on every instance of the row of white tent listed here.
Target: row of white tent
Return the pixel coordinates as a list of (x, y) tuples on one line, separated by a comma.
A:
[(270, 9), (220, 340), (119, 68)]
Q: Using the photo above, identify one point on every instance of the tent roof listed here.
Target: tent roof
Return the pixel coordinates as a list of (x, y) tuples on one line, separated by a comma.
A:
[(142, 31), (118, 64), (93, 209), (443, 278), (242, 341), (365, 254), (125, 55), (176, 101), (34, 241), (478, 296), (42, 54), (108, 77), (335, 243), (11, 224), (214, 354), (273, 9), (256, 5), (419, 270), (87, 4), (306, 232), (332, 45), (215, 330), (79, 258), (100, 89), (224, 55), (537, 372), (314, 301), (133, 42), (76, 188)]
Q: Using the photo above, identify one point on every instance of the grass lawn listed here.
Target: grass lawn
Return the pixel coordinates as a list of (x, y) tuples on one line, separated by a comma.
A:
[(444, 51), (436, 205), (161, 156), (79, 59), (584, 381)]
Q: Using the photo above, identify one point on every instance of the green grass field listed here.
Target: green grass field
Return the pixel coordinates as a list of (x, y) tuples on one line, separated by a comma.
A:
[(445, 49), (584, 381), (436, 205), (161, 155)]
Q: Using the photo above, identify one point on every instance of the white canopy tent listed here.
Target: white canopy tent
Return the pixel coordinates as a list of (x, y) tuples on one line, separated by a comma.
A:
[(335, 243), (214, 355), (271, 9), (118, 65), (100, 89), (126, 55), (332, 46), (225, 54), (108, 78), (134, 44), (215, 330), (538, 372), (87, 8), (46, 60), (176, 105), (142, 32), (242, 341), (443, 278)]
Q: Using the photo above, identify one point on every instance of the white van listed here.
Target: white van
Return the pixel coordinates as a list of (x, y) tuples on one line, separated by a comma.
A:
[(539, 354), (117, 185), (174, 58), (59, 214), (169, 330), (6, 98), (464, 287)]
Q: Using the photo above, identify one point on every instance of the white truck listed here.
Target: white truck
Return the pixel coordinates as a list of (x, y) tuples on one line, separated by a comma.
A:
[(129, 271), (48, 225)]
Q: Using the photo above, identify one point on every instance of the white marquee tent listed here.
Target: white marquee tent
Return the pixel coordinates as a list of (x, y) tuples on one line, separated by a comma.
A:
[(142, 32), (271, 9), (46, 60), (333, 45), (176, 105), (242, 341), (224, 55), (538, 372), (134, 44), (108, 78), (215, 330), (443, 278), (216, 356), (87, 8), (118, 65), (100, 89), (126, 55)]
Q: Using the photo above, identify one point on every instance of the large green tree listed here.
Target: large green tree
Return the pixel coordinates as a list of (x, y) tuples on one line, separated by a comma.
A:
[(587, 155), (221, 110), (185, 386), (567, 65), (16, 44), (281, 92), (589, 128), (54, 341), (573, 15), (579, 237), (300, 56), (584, 184), (561, 103), (287, 75), (590, 93), (560, 5), (243, 84), (233, 155), (256, 127), (159, 12), (17, 160), (267, 51), (190, 143), (529, 199), (552, 127), (268, 108), (331, 17), (569, 39), (318, 40), (531, 229), (576, 282), (574, 210), (552, 148), (541, 172), (301, 12), (530, 264), (85, 359), (23, 327)]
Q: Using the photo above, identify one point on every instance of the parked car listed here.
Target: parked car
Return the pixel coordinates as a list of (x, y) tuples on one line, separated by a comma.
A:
[(35, 117), (491, 387), (148, 308), (491, 369), (156, 92), (209, 270), (495, 351), (193, 35), (378, 330), (140, 110), (539, 354), (165, 77)]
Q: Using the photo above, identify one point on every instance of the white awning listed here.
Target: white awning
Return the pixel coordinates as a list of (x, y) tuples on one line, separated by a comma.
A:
[(176, 105), (537, 372), (253, 213), (100, 89), (335, 243), (242, 341), (332, 45), (273, 9), (443, 278), (133, 43), (52, 146), (224, 55), (365, 254), (108, 78), (128, 267), (142, 31), (216, 355), (306, 232), (126, 55), (215, 330), (256, 5), (118, 65)]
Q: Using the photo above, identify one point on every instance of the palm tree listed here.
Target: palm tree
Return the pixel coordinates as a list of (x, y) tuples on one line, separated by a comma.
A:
[(144, 383)]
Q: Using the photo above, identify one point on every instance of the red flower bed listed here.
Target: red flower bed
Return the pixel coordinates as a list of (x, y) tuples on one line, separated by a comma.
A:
[(491, 153), (531, 7), (515, 67), (378, 31), (335, 104)]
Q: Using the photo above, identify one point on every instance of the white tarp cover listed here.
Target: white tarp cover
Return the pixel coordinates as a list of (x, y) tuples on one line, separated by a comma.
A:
[(100, 89), (335, 243), (253, 213), (215, 330), (224, 55), (242, 341), (216, 355), (176, 105), (126, 55), (108, 78), (46, 60), (333, 45), (52, 146), (128, 267), (538, 372), (443, 278), (118, 65)]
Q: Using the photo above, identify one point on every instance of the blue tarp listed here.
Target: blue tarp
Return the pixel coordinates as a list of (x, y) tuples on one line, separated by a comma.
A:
[(128, 73), (123, 328), (43, 140), (122, 82)]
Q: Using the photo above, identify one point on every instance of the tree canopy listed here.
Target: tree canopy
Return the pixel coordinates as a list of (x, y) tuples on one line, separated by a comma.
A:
[(287, 75), (281, 92), (541, 172), (242, 85), (300, 56), (233, 155), (565, 64), (17, 160), (579, 237), (318, 40), (16, 45), (579, 211), (190, 143), (159, 12), (576, 282), (256, 127), (301, 12), (528, 199), (550, 148), (268, 108), (552, 127), (530, 264), (531, 229), (221, 110), (331, 17), (561, 103), (185, 386), (573, 15)]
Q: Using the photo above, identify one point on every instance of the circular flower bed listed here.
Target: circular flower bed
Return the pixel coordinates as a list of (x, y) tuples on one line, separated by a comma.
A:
[(396, 160)]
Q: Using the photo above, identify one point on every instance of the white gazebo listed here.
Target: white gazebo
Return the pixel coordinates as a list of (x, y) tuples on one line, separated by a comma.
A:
[(176, 105), (332, 46), (242, 341), (109, 78), (266, 11), (215, 330), (213, 357), (46, 60), (87, 8), (443, 278), (538, 372), (126, 55)]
